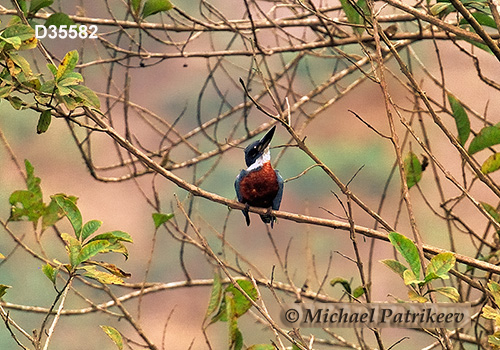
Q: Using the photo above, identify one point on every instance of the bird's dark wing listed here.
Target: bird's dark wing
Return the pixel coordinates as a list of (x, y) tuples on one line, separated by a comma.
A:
[(239, 195), (237, 185), (279, 195)]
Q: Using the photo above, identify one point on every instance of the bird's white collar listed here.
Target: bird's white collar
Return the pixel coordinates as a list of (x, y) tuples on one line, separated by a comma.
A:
[(264, 158)]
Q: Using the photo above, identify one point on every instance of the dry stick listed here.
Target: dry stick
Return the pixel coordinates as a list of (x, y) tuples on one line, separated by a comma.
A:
[(395, 141), (94, 115), (437, 120), (301, 144), (9, 321), (477, 27), (214, 256), (447, 27), (50, 332), (130, 319), (159, 287)]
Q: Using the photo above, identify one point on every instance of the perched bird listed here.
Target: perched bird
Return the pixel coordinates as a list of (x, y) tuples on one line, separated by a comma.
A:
[(260, 185)]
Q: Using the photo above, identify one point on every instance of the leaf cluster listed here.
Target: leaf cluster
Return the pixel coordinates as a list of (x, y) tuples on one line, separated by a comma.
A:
[(227, 305), (83, 245), (438, 268)]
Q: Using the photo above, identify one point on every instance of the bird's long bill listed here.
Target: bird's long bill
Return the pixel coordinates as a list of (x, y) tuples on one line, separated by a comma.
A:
[(266, 140)]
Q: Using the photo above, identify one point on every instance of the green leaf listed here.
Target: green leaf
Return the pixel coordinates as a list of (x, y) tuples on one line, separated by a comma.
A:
[(262, 347), (88, 96), (89, 228), (491, 164), (50, 272), (159, 218), (6, 90), (449, 292), (14, 43), (432, 276), (242, 304), (68, 81), (136, 5), (235, 336), (91, 249), (33, 182), (440, 265), (343, 282), (3, 290), (480, 45), (16, 102), (44, 121), (25, 204), (408, 250), (215, 295), (395, 266), (494, 287), (36, 5), (413, 169), (351, 14), (23, 6), (461, 119), (487, 137), (152, 7), (52, 68), (58, 19), (492, 211), (113, 235), (101, 276), (53, 213), (70, 102), (68, 64), (71, 211), (19, 37), (359, 291), (482, 18), (31, 201), (73, 247), (115, 336)]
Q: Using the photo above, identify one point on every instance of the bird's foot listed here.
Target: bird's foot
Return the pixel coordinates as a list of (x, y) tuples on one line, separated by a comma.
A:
[(269, 214)]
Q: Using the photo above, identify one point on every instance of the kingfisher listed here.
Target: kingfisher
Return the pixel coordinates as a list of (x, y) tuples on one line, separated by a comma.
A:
[(259, 185)]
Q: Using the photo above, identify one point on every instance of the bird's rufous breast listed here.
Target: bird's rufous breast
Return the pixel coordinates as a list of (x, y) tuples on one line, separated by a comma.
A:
[(259, 187)]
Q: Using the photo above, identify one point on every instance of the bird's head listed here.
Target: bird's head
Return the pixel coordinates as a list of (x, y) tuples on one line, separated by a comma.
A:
[(258, 151)]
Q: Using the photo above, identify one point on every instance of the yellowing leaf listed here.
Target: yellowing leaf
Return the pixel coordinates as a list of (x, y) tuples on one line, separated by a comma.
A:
[(67, 64), (449, 292), (101, 276), (115, 336), (441, 264), (491, 164)]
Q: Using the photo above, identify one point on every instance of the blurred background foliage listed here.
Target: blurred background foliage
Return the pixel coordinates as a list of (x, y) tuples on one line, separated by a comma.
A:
[(168, 83)]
